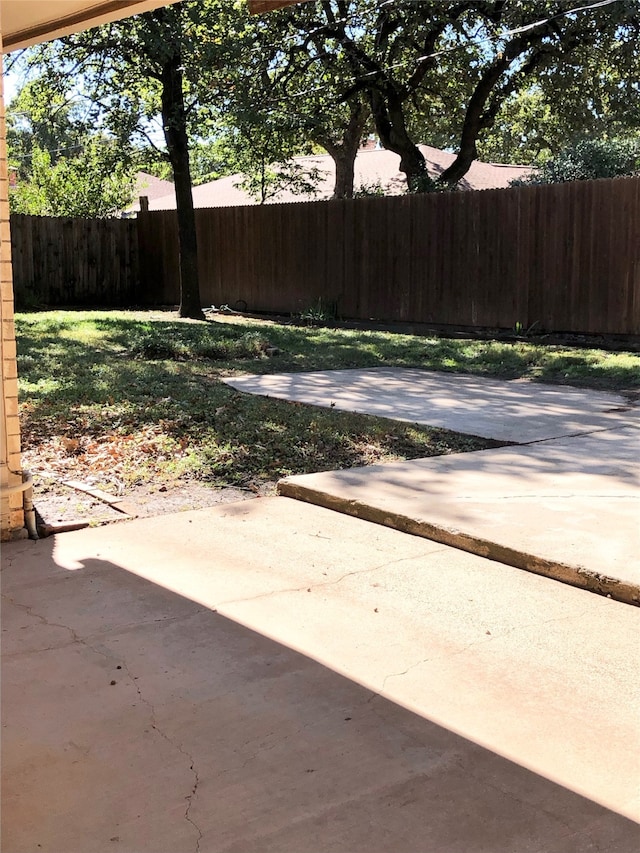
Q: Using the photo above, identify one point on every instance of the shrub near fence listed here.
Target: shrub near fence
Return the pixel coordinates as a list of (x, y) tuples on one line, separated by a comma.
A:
[(565, 257), (74, 262)]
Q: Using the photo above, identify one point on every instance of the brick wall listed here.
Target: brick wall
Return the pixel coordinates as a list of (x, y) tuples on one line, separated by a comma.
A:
[(11, 513)]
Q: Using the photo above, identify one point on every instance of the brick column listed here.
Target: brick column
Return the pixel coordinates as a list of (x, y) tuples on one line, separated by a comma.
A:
[(11, 513)]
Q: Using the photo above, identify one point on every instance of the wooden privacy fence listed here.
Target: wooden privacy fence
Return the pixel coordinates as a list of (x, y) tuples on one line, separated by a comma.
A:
[(565, 257), (74, 262)]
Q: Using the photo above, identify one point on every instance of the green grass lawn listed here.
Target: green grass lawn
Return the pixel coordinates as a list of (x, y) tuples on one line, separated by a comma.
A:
[(137, 396)]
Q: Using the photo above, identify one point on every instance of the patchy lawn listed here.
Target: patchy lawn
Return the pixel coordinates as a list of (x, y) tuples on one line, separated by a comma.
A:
[(134, 398)]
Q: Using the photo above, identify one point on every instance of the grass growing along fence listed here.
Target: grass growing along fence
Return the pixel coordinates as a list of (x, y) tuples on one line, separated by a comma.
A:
[(136, 397), (565, 257), (561, 258)]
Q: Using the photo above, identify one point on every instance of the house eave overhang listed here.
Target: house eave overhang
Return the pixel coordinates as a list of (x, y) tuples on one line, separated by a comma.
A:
[(28, 22), (258, 7)]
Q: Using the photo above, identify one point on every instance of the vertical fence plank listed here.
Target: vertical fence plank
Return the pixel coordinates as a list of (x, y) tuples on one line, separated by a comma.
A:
[(631, 308)]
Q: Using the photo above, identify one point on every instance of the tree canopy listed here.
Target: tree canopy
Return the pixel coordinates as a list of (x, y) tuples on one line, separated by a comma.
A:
[(502, 79), (588, 159), (161, 68), (64, 166), (93, 184), (515, 81), (455, 64)]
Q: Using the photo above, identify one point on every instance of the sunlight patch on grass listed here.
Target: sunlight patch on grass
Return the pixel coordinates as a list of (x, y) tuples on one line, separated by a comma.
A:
[(142, 395)]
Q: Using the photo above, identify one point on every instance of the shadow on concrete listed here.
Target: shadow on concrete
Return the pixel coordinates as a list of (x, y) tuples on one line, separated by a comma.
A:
[(510, 411), (136, 720)]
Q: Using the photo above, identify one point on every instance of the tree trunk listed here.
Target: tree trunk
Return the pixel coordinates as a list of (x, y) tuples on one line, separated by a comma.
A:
[(479, 116), (345, 161), (344, 157), (175, 132), (461, 165), (474, 122), (345, 152), (388, 115)]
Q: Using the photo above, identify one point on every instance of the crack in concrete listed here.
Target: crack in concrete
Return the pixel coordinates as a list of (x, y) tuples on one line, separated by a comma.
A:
[(263, 748), (482, 641), (76, 639), (7, 563), (403, 672), (530, 495), (140, 624), (585, 832), (314, 586), (533, 806), (622, 424), (435, 658), (31, 612), (156, 728)]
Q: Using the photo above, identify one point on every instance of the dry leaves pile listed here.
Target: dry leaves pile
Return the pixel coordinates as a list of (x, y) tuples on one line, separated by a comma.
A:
[(109, 460)]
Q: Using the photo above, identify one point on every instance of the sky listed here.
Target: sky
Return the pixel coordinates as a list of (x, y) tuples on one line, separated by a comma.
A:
[(12, 82)]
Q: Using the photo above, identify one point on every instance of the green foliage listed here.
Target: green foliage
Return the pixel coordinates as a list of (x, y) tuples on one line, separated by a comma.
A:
[(522, 331), (156, 166), (263, 152), (65, 167), (368, 190), (208, 161), (449, 73), (43, 117), (153, 344), (589, 159), (258, 131), (320, 312), (265, 180), (424, 183), (93, 184), (587, 94), (535, 125), (527, 130)]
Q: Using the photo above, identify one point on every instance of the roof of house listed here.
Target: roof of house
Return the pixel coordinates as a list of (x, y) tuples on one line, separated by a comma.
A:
[(372, 168), (152, 187)]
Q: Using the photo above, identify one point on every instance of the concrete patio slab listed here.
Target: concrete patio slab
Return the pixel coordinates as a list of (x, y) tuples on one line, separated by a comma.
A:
[(518, 410), (567, 508), (275, 676)]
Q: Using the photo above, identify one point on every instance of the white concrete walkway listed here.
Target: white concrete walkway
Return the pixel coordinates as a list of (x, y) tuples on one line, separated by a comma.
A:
[(516, 410), (274, 676), (565, 503)]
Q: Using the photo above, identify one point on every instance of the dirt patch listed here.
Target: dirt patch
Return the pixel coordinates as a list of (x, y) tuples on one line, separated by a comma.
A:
[(61, 506)]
